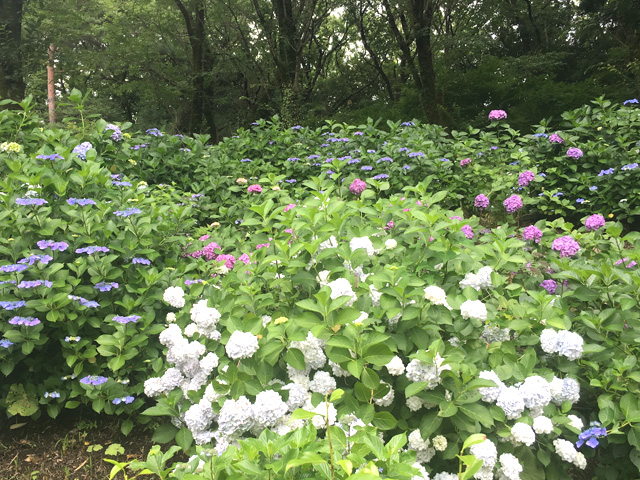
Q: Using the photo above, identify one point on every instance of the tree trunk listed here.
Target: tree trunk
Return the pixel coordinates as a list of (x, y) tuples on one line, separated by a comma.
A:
[(11, 81), (422, 12)]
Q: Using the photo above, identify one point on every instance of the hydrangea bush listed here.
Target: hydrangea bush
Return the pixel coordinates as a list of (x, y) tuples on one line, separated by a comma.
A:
[(308, 316)]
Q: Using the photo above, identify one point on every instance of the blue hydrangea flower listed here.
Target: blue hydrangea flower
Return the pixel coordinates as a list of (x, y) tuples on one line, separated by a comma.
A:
[(121, 184), (106, 286), (593, 188), (13, 305), (590, 436), (381, 176), (631, 101), (631, 166), (608, 171), (367, 167), (53, 157), (11, 268), (143, 261), (116, 136), (93, 380), (82, 149), (90, 250), (125, 320), (416, 154), (4, 343), (127, 212), (34, 283), (31, 201), (579, 200), (26, 321), (154, 132), (60, 246)]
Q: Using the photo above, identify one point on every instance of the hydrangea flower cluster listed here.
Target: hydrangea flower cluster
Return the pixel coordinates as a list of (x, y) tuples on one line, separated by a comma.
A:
[(474, 309), (532, 233), (555, 138), (60, 246), (479, 280), (83, 301), (90, 250), (80, 201), (566, 245), (594, 222), (174, 296), (254, 188), (241, 345), (566, 343), (116, 134), (357, 186), (26, 321), (513, 203), (82, 149), (550, 286), (13, 305), (464, 162), (362, 242), (574, 153), (497, 115), (341, 287), (481, 201), (525, 178)]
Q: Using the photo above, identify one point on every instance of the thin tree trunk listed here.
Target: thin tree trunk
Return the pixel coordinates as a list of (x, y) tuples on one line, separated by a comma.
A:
[(11, 81), (51, 90)]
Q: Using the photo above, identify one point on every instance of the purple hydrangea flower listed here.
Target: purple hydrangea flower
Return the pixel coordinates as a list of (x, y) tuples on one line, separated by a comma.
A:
[(11, 268), (80, 201), (83, 301), (143, 261), (464, 162), (53, 157), (106, 286), (154, 132), (127, 212), (468, 231), (497, 115), (90, 250), (4, 343), (580, 200), (566, 245), (513, 203), (385, 159), (381, 176), (532, 233), (60, 246), (116, 136), (35, 283), (481, 201), (26, 321), (367, 167), (594, 222), (93, 380), (125, 320), (629, 102), (525, 178), (32, 259), (550, 286), (82, 149), (31, 201), (590, 436), (13, 305), (121, 184), (357, 186), (406, 167), (353, 160), (555, 138), (574, 153), (631, 166), (416, 154)]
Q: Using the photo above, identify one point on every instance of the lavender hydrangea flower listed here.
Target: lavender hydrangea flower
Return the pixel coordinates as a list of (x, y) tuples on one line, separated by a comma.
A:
[(381, 176), (31, 201), (83, 301), (90, 250), (594, 222), (468, 231), (525, 178), (93, 380), (566, 245), (143, 261), (128, 319), (52, 158), (127, 212), (13, 305), (154, 132), (35, 283), (574, 153), (4, 343), (121, 184), (608, 171), (630, 101), (481, 201), (80, 201), (82, 149), (555, 138), (550, 286), (32, 259), (513, 203), (497, 115), (116, 136), (26, 321), (60, 246), (532, 233), (106, 286), (590, 436), (13, 268)]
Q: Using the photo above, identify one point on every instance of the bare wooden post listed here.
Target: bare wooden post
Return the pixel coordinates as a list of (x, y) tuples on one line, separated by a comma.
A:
[(51, 91)]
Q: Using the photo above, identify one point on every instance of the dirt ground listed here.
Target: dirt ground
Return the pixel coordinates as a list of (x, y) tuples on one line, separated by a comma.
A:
[(71, 447)]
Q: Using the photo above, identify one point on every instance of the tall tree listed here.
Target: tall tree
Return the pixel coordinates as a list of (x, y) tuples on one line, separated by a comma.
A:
[(11, 72)]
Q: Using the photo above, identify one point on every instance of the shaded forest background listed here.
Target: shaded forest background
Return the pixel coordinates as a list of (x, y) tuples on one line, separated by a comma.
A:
[(216, 65)]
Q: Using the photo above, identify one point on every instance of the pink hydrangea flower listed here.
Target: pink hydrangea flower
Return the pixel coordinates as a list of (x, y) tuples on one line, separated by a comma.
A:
[(289, 207), (555, 138), (574, 153), (525, 178), (209, 250), (465, 162), (482, 201), (566, 245), (229, 260), (497, 115), (532, 233), (594, 222), (254, 188), (357, 186), (513, 203)]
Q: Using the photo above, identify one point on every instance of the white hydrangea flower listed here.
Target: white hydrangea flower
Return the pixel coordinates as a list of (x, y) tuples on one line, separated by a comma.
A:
[(580, 461), (542, 425), (375, 295), (341, 287), (435, 294), (485, 451), (331, 243), (390, 244), (320, 421), (492, 334), (268, 409), (241, 345), (418, 371), (416, 442), (425, 456), (174, 296), (439, 443), (511, 402), (362, 242), (510, 468), (478, 281), (548, 340), (205, 317), (236, 416), (266, 320), (387, 400), (521, 433), (191, 329), (565, 450), (171, 317), (490, 394), (337, 370), (323, 278), (446, 476), (313, 351), (422, 472), (395, 366), (569, 344), (574, 421), (564, 390), (474, 309), (535, 391), (414, 403), (198, 419), (298, 395), (322, 383)]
